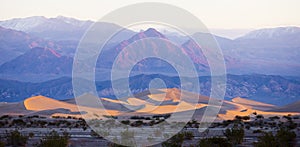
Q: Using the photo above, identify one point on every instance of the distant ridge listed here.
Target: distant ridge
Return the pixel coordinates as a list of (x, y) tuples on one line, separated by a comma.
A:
[(256, 53), (271, 33), (59, 28), (39, 61), (15, 43), (293, 107)]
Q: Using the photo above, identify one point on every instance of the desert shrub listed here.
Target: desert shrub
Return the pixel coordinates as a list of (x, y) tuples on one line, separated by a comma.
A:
[(266, 140), (54, 139), (274, 117), (137, 123), (15, 138), (288, 117), (235, 135), (227, 122), (31, 134), (214, 142), (2, 124), (2, 144), (94, 134), (247, 127), (137, 117), (256, 131), (283, 138), (175, 141), (125, 122), (5, 117), (112, 144), (18, 122), (260, 116), (152, 122), (291, 125), (242, 117), (188, 135)]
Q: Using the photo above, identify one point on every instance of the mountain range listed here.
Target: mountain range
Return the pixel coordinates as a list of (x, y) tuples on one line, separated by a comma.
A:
[(37, 57), (60, 28), (39, 60), (266, 51)]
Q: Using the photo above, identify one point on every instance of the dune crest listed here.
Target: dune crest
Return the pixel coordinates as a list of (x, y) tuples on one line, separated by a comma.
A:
[(244, 101), (162, 101), (41, 103)]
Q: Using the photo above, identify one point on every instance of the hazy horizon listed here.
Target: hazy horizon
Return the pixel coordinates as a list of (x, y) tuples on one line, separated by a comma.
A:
[(238, 17), (231, 33), (248, 14)]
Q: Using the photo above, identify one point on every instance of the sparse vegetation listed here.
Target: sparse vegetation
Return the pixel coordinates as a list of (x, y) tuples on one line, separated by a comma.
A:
[(137, 123), (125, 122), (30, 135), (112, 144), (259, 116), (257, 131), (95, 134), (15, 138), (2, 144), (188, 135), (175, 141), (266, 140), (274, 118), (214, 142), (230, 131), (242, 117), (235, 135), (283, 138), (54, 139)]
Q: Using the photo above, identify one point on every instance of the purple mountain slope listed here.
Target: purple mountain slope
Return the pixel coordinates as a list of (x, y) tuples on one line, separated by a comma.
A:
[(108, 57), (15, 43), (38, 61)]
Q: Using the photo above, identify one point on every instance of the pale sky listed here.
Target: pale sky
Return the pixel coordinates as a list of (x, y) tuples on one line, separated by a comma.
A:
[(217, 14)]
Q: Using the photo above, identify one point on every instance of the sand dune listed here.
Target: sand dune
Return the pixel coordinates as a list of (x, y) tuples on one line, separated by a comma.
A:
[(92, 101), (159, 101), (38, 103), (136, 101), (174, 94), (41, 103), (163, 101), (165, 109), (244, 107), (114, 101), (252, 104)]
